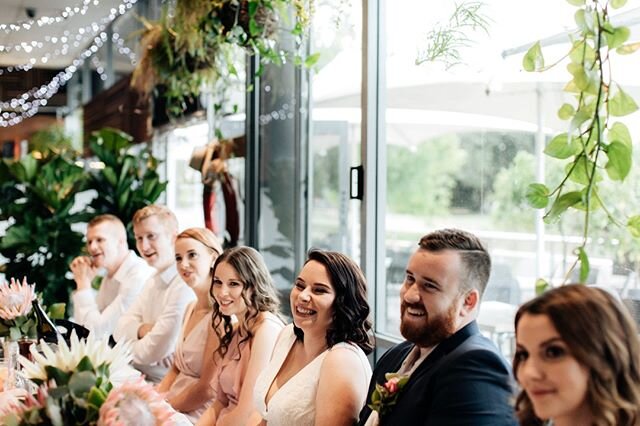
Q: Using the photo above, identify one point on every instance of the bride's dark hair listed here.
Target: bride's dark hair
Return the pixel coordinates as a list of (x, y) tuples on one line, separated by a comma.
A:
[(350, 308)]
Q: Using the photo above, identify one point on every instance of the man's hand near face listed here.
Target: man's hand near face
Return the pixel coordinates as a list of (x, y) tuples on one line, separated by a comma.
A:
[(83, 272)]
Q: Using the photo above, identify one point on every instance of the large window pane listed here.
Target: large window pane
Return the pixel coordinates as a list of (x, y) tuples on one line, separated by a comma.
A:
[(335, 130), (463, 140)]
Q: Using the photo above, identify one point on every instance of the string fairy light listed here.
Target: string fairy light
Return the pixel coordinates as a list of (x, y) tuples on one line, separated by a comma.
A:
[(27, 104), (99, 68), (66, 13), (117, 39)]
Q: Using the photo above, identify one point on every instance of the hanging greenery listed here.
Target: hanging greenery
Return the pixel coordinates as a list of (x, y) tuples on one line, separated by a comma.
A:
[(200, 43), (597, 146)]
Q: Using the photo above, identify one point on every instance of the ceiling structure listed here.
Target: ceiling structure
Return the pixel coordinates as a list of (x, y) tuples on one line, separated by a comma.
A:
[(52, 33), (43, 44)]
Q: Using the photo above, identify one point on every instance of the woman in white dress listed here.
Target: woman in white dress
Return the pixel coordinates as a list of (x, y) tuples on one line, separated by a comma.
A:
[(187, 382), (319, 373)]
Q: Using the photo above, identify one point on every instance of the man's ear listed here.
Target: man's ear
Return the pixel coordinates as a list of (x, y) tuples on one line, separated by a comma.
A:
[(470, 301)]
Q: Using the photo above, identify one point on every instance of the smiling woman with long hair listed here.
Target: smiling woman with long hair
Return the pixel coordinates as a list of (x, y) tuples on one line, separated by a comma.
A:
[(242, 288), (187, 382), (319, 372), (577, 360)]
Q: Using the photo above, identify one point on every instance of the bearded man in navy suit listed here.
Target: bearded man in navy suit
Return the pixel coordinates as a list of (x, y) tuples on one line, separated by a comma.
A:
[(447, 372)]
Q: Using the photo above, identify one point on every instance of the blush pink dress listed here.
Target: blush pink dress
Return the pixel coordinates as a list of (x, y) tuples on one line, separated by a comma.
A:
[(230, 373), (188, 359)]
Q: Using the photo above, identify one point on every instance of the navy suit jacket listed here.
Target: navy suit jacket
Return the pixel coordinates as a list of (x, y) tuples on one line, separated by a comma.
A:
[(464, 381)]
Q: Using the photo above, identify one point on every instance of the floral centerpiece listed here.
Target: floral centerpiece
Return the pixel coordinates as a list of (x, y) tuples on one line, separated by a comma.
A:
[(76, 381), (16, 320)]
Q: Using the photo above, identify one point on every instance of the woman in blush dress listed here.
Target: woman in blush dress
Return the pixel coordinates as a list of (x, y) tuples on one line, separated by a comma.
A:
[(242, 288), (319, 373), (577, 360), (187, 382)]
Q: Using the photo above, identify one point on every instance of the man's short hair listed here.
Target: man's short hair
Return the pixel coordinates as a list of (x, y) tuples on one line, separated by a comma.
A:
[(165, 215), (112, 219), (473, 254)]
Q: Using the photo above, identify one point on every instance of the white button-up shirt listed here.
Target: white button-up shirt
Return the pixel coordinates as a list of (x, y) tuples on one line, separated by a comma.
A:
[(162, 303), (100, 313)]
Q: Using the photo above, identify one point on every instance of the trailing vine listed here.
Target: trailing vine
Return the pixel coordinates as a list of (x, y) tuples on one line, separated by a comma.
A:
[(200, 44), (596, 145)]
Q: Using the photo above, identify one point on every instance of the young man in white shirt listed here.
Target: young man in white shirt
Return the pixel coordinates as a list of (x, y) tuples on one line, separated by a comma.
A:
[(126, 274), (154, 320)]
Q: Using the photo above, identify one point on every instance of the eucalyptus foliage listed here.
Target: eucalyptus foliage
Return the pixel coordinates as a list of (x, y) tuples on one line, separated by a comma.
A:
[(596, 146)]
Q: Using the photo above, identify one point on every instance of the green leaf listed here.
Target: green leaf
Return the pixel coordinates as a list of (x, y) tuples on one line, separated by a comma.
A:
[(617, 4), (533, 59), (581, 21), (633, 226), (628, 49), (15, 333), (619, 163), (582, 52), (621, 104), (57, 310), (537, 195), (30, 165), (576, 2), (582, 171), (61, 377), (254, 28), (81, 382), (96, 397), (618, 37), (541, 286), (580, 77), (566, 111), (620, 132), (561, 204), (311, 60), (85, 364), (253, 8), (110, 176), (559, 147), (584, 264), (16, 236)]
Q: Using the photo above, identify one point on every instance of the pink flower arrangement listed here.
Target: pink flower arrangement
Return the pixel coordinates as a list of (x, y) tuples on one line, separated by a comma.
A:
[(15, 299), (135, 403)]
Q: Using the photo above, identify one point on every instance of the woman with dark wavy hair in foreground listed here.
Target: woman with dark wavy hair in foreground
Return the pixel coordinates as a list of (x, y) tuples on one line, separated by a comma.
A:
[(319, 373), (577, 360)]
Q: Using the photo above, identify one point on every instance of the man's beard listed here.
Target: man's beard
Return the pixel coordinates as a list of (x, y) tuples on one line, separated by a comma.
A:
[(432, 330)]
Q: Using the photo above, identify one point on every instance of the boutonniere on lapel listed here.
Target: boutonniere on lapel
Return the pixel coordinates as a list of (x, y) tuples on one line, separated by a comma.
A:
[(385, 396)]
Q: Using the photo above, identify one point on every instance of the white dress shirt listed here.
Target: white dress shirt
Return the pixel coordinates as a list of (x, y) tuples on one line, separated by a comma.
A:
[(100, 313), (162, 303)]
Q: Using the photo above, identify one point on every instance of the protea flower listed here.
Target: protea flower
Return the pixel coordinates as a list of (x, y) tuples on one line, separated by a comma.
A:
[(11, 402), (15, 299), (67, 358), (135, 403)]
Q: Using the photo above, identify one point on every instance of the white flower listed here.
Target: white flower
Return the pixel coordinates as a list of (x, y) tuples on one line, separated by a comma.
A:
[(15, 299), (67, 358)]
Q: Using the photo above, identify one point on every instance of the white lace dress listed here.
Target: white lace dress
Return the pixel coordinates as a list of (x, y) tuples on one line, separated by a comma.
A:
[(294, 402)]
